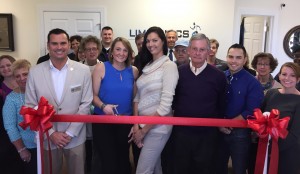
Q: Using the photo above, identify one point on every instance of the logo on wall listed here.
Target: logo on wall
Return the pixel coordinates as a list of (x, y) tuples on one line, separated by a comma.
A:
[(181, 33), (196, 28)]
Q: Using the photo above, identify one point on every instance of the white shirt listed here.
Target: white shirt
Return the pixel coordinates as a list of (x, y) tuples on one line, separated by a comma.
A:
[(197, 71), (59, 79)]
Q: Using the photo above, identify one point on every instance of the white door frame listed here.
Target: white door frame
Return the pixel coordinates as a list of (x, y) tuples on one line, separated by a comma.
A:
[(241, 12), (65, 8)]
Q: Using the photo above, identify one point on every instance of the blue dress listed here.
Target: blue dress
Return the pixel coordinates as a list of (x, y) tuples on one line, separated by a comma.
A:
[(110, 141), (117, 88)]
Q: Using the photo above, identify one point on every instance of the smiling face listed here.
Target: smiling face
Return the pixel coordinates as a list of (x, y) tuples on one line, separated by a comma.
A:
[(5, 68), (288, 78), (119, 53), (58, 46), (155, 45), (171, 39), (181, 54), (21, 77), (91, 51), (75, 45), (263, 66), (235, 60), (214, 49), (107, 37)]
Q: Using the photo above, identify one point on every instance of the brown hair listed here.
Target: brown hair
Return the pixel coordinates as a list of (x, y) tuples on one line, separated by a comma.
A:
[(88, 39), (214, 41), (127, 45), (273, 61), (10, 58), (295, 67)]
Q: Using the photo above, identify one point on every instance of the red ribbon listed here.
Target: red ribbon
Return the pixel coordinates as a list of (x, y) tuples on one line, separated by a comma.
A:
[(265, 126), (39, 120)]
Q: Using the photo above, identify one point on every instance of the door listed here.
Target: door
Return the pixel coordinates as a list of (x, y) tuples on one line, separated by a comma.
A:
[(254, 35), (73, 22)]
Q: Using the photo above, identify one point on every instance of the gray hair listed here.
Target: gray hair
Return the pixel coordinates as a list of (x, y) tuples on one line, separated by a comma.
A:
[(200, 36)]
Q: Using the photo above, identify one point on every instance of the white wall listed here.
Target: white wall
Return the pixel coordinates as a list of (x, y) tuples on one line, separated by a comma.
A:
[(214, 17), (217, 18), (285, 18)]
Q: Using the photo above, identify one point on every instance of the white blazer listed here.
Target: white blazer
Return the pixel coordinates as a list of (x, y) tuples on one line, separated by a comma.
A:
[(76, 98)]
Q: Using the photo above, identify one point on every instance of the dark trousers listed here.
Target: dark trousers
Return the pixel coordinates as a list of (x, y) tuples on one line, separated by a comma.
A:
[(10, 160), (89, 153), (31, 167), (289, 160), (111, 149), (194, 153), (235, 145), (167, 156)]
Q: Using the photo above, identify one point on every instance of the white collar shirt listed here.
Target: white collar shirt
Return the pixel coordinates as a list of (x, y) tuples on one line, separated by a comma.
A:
[(59, 79), (197, 71)]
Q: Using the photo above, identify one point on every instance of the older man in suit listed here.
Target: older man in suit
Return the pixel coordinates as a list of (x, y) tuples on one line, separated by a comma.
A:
[(66, 84)]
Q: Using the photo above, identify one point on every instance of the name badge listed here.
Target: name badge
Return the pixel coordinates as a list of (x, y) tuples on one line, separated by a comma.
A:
[(75, 88)]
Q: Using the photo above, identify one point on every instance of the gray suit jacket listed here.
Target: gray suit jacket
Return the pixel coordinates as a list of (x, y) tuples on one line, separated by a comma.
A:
[(76, 98)]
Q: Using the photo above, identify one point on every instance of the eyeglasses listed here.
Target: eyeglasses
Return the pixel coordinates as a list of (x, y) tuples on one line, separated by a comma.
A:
[(183, 51), (91, 49), (263, 64)]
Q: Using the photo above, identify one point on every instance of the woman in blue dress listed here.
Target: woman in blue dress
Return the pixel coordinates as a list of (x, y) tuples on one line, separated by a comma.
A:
[(113, 92)]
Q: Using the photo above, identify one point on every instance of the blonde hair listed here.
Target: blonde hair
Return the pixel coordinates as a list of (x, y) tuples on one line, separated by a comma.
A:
[(21, 63)]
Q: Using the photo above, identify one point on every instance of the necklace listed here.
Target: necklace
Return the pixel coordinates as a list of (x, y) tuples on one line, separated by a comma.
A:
[(21, 96), (119, 71)]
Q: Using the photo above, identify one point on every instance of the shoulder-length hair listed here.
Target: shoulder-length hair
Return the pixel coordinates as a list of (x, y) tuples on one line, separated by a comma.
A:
[(295, 67), (126, 44)]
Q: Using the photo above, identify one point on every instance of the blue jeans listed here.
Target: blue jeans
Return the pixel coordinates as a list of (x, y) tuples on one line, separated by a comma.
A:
[(235, 145)]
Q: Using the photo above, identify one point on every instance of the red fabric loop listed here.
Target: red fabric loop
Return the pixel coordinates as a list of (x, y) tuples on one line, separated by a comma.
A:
[(265, 126), (39, 120)]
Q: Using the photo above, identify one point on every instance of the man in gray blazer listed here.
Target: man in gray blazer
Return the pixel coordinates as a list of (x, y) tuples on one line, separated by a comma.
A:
[(66, 84)]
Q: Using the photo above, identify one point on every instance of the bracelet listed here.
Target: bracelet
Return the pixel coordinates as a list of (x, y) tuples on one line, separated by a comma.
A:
[(21, 150), (102, 106)]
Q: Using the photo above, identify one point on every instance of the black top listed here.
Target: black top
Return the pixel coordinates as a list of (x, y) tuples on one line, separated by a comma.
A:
[(103, 56)]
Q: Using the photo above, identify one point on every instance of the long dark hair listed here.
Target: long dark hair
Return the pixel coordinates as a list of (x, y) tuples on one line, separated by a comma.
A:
[(146, 56)]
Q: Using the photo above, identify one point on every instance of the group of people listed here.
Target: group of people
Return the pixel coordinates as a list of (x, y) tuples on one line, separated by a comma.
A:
[(169, 77)]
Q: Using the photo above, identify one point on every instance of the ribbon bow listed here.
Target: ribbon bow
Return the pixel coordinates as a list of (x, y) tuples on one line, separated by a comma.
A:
[(265, 126), (39, 120), (269, 125)]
